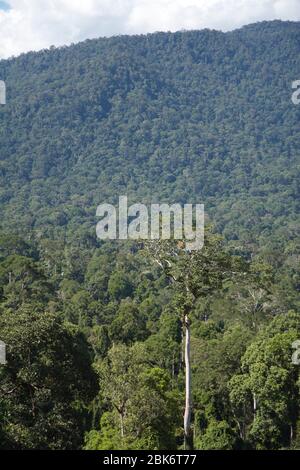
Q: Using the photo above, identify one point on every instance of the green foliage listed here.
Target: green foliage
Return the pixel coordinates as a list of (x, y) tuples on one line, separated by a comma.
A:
[(129, 325), (269, 385), (119, 286), (218, 436), (144, 406), (47, 382)]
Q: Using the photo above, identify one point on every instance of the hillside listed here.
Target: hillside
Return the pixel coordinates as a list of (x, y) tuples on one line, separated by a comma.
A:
[(200, 116)]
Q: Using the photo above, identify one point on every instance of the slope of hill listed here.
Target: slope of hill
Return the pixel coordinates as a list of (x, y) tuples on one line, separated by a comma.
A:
[(197, 116)]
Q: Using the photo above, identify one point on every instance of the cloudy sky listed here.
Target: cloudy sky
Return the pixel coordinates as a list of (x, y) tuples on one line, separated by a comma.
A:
[(35, 24)]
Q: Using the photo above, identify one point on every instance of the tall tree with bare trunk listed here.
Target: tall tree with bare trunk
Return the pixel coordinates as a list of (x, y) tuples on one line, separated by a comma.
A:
[(194, 275)]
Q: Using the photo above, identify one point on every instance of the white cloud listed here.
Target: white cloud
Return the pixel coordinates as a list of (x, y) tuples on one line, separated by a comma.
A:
[(36, 24)]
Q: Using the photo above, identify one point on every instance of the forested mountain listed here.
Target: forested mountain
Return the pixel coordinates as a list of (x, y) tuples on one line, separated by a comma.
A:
[(94, 330), (197, 116)]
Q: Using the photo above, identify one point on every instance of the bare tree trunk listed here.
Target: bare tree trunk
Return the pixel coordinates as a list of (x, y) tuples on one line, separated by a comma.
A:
[(173, 366), (254, 403), (121, 412), (122, 424), (182, 348), (188, 438)]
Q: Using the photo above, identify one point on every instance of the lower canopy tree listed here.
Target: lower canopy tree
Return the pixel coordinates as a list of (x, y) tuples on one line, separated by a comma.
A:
[(46, 383)]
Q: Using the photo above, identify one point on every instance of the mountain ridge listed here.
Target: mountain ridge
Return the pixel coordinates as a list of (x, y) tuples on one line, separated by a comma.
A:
[(169, 117)]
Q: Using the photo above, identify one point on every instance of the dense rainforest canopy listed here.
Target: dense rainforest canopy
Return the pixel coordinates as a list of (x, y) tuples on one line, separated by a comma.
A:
[(93, 329)]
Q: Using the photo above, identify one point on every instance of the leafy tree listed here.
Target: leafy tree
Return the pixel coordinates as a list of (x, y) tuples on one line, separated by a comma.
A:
[(266, 395), (218, 436), (46, 383), (143, 406), (119, 286), (195, 275), (129, 325)]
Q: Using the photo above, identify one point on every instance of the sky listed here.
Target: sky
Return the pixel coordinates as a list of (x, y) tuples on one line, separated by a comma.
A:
[(36, 24)]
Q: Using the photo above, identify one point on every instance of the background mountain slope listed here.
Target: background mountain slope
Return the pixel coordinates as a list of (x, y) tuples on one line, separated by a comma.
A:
[(197, 116)]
